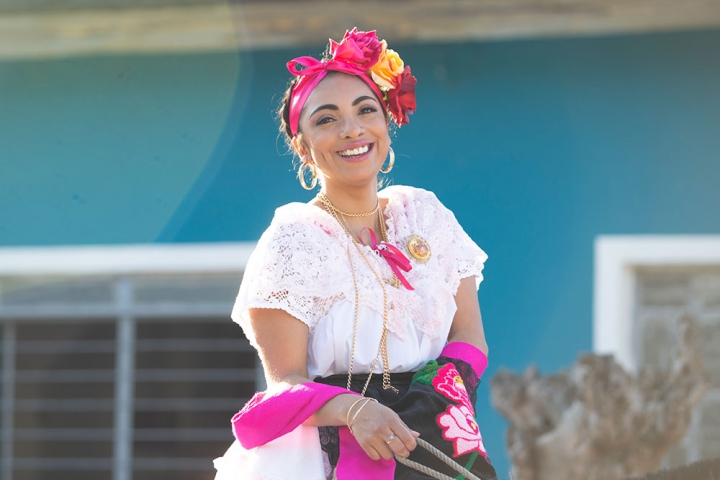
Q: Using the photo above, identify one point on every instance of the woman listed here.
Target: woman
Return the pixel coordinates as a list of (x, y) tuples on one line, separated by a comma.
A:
[(348, 296)]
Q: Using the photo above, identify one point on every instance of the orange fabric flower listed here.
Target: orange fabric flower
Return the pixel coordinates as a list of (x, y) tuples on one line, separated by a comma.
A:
[(388, 67)]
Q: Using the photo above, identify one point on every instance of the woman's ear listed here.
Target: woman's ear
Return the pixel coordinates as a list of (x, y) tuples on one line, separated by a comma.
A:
[(299, 147)]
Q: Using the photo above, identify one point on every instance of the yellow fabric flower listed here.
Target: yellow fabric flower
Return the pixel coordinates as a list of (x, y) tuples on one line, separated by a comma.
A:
[(388, 67)]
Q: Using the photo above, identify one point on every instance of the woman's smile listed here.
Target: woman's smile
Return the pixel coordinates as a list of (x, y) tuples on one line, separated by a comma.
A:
[(356, 152)]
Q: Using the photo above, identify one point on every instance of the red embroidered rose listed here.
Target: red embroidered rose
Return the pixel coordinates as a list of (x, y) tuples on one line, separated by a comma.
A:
[(401, 99), (361, 48), (459, 427), (449, 383)]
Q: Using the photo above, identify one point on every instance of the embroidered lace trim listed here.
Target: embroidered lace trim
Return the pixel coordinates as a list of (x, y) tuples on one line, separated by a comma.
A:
[(301, 265)]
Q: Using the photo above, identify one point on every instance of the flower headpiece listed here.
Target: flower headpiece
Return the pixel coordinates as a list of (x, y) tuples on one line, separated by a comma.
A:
[(361, 54)]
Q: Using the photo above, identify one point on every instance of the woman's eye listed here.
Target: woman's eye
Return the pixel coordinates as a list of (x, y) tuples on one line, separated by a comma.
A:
[(368, 109), (323, 120)]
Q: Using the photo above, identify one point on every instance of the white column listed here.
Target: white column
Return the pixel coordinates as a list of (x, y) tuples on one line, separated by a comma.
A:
[(124, 384)]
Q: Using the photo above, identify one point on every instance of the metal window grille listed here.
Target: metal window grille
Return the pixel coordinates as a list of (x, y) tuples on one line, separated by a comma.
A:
[(123, 377)]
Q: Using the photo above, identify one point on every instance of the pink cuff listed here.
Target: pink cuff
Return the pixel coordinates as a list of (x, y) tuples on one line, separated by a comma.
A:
[(467, 353)]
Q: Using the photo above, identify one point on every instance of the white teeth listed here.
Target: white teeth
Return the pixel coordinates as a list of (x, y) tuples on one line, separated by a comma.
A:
[(355, 151)]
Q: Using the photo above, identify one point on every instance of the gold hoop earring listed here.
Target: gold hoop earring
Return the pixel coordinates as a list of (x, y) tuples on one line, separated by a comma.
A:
[(313, 173), (392, 162)]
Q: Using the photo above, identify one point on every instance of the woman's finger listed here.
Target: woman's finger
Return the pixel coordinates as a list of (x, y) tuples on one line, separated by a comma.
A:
[(372, 452), (397, 445), (385, 449), (405, 437)]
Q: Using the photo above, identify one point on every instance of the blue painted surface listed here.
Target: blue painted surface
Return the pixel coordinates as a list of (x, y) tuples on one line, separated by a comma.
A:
[(537, 146), (102, 150)]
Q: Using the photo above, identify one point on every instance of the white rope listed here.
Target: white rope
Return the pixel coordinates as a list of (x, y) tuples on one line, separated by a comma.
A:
[(443, 458)]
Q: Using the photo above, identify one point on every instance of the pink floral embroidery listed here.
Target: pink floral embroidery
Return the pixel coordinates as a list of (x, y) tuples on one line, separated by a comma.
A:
[(459, 426), (449, 383)]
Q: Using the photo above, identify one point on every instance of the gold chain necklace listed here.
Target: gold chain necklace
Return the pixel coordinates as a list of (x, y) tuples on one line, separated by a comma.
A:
[(326, 201), (382, 350), (394, 281)]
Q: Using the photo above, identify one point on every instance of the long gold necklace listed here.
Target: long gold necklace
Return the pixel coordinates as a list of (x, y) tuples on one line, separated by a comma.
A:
[(383, 349), (394, 280)]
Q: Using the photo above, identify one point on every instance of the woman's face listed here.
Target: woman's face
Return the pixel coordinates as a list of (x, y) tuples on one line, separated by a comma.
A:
[(344, 130)]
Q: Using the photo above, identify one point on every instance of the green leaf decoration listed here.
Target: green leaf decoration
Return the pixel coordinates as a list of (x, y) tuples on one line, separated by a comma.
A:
[(426, 373)]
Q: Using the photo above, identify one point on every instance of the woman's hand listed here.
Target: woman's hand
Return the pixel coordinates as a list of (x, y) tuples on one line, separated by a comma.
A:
[(380, 431)]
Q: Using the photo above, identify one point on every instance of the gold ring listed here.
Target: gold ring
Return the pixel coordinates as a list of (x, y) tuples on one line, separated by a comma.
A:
[(390, 438)]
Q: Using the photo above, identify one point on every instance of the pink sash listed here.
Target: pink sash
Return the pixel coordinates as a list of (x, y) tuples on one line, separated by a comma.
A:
[(267, 417)]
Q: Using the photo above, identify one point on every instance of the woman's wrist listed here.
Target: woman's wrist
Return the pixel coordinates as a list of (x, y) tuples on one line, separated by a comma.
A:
[(357, 412), (333, 413), (347, 415)]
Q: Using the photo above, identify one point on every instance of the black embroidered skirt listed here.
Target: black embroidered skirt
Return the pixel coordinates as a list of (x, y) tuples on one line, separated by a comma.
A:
[(438, 402)]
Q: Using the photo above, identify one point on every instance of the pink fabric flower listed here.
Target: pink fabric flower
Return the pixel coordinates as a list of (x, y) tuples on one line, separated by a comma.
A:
[(360, 48), (449, 383), (459, 427)]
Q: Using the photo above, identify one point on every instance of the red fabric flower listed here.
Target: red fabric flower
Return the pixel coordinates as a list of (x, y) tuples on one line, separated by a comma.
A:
[(449, 383), (401, 99), (361, 48)]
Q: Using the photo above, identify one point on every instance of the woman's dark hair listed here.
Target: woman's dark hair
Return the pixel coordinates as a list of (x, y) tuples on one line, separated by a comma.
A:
[(283, 111)]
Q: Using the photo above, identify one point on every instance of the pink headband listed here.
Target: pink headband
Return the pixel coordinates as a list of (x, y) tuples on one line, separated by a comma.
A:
[(310, 76), (363, 55)]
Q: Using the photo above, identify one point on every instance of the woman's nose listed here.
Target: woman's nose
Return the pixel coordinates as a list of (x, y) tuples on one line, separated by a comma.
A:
[(351, 128)]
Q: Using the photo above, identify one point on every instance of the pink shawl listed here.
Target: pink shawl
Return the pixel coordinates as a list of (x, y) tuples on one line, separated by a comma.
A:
[(269, 416)]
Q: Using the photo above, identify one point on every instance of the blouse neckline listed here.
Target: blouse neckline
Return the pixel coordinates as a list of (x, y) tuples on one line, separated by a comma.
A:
[(388, 214)]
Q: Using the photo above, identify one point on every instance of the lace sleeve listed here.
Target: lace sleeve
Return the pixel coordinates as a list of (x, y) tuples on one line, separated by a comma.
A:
[(294, 269), (467, 257)]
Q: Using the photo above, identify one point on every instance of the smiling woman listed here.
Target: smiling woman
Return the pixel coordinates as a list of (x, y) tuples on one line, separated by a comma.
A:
[(361, 303), (346, 139)]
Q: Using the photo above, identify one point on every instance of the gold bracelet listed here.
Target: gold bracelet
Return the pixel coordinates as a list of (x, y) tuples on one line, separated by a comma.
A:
[(347, 417), (367, 400)]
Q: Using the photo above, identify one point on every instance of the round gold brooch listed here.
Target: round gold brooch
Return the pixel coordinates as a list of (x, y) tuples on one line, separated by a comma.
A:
[(418, 248)]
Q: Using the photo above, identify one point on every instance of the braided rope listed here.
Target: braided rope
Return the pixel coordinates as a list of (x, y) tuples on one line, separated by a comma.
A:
[(423, 469), (442, 457)]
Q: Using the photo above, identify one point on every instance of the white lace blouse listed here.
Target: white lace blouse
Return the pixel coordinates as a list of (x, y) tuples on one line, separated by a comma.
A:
[(301, 265)]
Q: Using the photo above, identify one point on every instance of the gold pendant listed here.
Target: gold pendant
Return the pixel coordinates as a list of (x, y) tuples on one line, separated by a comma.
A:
[(418, 248)]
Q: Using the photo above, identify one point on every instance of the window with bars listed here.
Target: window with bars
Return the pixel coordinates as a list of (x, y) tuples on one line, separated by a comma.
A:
[(663, 295), (643, 285), (120, 377)]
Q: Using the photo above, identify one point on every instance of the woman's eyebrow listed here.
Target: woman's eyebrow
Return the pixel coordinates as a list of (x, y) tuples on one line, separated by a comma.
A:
[(328, 106), (363, 98)]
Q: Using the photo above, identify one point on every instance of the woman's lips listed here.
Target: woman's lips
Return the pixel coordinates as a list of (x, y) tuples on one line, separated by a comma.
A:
[(356, 153)]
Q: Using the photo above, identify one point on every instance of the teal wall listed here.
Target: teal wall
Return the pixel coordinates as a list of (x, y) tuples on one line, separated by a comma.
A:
[(538, 146), (103, 150)]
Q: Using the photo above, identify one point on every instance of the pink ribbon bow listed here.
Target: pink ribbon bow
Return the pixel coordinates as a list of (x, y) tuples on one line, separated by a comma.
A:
[(314, 71), (393, 256)]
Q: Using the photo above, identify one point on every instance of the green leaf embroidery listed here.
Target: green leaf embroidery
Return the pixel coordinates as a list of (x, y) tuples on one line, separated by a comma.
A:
[(426, 373)]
